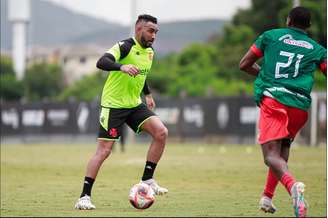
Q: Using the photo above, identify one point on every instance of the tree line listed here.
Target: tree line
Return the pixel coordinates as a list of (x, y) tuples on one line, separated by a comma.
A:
[(200, 69)]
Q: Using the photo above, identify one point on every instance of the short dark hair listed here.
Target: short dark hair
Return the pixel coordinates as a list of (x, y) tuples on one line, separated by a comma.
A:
[(300, 17), (146, 17)]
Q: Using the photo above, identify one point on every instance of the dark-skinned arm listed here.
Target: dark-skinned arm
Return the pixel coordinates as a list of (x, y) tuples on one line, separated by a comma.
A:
[(248, 63)]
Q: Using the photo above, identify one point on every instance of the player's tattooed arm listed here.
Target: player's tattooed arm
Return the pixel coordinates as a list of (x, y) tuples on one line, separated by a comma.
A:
[(150, 101)]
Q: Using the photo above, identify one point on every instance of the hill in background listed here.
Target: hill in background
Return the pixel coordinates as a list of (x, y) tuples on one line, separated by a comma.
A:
[(52, 25)]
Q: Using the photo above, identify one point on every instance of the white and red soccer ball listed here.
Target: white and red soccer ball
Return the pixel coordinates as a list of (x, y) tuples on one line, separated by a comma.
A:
[(141, 196)]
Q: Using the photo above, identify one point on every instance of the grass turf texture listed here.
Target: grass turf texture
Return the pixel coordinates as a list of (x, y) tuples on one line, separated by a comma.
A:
[(203, 180)]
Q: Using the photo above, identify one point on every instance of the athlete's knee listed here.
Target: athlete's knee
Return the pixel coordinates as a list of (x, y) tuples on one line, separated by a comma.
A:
[(161, 134), (105, 149), (105, 152), (267, 161), (270, 160), (271, 151)]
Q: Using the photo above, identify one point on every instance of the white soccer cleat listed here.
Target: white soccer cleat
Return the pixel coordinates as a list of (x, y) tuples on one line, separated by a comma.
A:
[(299, 203), (266, 205), (84, 203), (156, 188)]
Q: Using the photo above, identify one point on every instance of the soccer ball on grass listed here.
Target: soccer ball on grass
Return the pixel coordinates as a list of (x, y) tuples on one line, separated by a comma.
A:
[(141, 196)]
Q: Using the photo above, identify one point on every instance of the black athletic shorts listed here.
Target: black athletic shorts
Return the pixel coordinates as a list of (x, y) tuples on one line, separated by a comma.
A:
[(112, 119)]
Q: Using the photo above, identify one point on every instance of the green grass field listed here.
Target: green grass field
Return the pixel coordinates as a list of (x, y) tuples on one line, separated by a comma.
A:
[(203, 180)]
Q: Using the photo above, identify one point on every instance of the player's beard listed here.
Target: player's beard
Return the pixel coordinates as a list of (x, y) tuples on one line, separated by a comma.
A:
[(145, 43)]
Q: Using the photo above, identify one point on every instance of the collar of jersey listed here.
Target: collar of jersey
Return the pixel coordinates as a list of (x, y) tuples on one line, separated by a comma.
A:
[(298, 30), (137, 43)]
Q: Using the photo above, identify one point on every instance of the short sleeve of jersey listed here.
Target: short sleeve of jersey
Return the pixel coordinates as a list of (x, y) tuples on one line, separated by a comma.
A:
[(115, 51), (259, 45), (322, 53)]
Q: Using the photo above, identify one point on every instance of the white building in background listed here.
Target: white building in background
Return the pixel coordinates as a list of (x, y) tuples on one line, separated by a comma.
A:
[(79, 61), (76, 60)]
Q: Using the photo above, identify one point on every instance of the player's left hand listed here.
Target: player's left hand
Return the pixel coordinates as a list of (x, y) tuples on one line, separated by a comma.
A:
[(150, 102)]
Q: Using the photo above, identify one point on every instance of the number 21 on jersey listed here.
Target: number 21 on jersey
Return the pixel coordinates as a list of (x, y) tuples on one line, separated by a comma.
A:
[(290, 56)]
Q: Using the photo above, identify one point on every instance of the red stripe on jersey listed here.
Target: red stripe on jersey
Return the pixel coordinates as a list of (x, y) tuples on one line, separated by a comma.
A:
[(323, 66), (256, 51)]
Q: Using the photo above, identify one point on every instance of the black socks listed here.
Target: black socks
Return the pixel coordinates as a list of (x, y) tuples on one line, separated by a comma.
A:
[(148, 174), (149, 170), (87, 186)]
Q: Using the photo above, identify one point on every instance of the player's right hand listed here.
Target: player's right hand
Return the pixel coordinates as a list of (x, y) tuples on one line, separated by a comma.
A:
[(130, 69)]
